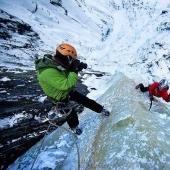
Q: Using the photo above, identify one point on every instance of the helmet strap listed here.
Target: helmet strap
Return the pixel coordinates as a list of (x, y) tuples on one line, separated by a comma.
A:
[(70, 60)]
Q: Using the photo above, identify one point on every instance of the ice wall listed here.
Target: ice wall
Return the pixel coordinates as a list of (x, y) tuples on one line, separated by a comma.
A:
[(131, 138)]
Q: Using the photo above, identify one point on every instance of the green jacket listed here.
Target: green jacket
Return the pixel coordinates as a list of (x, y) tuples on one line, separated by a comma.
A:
[(55, 81)]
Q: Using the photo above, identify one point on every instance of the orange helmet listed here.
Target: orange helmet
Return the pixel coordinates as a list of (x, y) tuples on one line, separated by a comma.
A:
[(65, 55), (67, 50)]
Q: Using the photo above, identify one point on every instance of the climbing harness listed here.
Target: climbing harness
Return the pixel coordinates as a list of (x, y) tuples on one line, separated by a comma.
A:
[(63, 109), (59, 112)]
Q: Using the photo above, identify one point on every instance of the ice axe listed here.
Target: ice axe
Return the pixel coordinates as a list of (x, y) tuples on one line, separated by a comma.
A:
[(150, 105), (151, 99)]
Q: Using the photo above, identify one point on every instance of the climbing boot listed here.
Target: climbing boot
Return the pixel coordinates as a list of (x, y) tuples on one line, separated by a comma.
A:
[(77, 130), (138, 86), (105, 112)]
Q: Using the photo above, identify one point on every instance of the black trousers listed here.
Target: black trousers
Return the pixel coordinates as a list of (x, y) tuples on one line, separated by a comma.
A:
[(142, 88), (74, 95)]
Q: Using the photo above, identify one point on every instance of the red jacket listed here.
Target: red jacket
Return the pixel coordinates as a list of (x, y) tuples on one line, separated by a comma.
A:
[(153, 89)]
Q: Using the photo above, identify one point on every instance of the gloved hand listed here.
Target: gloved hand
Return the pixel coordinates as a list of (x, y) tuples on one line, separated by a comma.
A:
[(151, 97), (78, 66)]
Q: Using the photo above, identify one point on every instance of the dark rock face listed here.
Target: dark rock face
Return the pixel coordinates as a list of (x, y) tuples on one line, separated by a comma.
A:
[(20, 89), (19, 96), (20, 92)]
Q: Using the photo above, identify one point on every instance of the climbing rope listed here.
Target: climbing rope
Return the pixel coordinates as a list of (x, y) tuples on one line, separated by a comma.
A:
[(40, 147), (74, 140)]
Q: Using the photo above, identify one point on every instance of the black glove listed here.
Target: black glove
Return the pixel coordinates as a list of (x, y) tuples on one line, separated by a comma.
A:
[(78, 66), (151, 97)]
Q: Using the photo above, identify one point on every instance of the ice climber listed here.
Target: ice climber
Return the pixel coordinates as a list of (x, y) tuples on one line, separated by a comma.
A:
[(57, 76), (156, 89)]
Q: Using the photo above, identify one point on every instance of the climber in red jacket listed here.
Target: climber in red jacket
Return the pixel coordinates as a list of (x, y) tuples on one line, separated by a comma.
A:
[(156, 89)]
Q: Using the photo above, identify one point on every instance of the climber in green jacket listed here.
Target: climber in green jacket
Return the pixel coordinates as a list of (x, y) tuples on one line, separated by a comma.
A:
[(57, 76)]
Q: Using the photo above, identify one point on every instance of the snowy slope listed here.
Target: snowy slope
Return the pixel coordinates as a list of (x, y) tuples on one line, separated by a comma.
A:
[(71, 22), (109, 35)]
